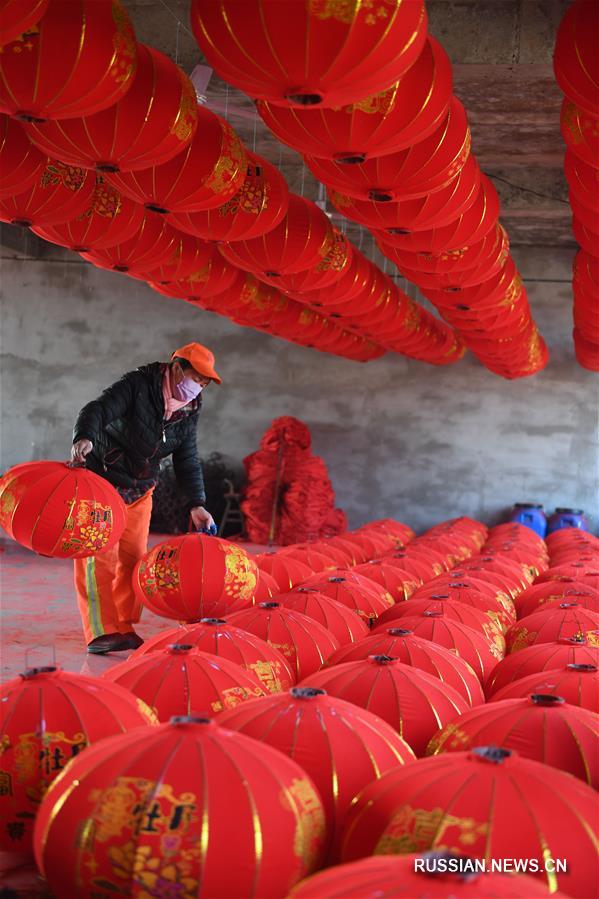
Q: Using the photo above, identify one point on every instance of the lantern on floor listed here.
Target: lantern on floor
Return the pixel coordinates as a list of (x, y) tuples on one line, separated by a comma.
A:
[(266, 587), (154, 121), (309, 54), (205, 174), (286, 570), (473, 591), (60, 511), (540, 658), (21, 163), (539, 726), (469, 615), (358, 593), (315, 559), (195, 576), (409, 699), (182, 680), (78, 59), (18, 16), (575, 60), (471, 801), (345, 624), (566, 620), (577, 684), (339, 745), (258, 806), (58, 193), (47, 717), (216, 636), (397, 582), (152, 245)]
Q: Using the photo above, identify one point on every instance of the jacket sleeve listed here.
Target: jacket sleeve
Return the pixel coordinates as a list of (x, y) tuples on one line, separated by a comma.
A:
[(188, 466), (110, 405)]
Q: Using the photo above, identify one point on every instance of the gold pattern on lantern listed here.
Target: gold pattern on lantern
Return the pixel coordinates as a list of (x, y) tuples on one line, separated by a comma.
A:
[(234, 696), (22, 41), (153, 875), (89, 527), (378, 104), (442, 738), (309, 828), (182, 127), (252, 197), (106, 201), (346, 11), (125, 52), (240, 574), (58, 173), (336, 256), (417, 829), (9, 499), (268, 673), (232, 158)]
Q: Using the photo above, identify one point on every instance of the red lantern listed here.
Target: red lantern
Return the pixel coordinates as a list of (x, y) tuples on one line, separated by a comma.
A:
[(153, 244), (214, 279), (18, 16), (352, 282), (266, 587), (191, 778), (405, 113), (583, 180), (400, 584), (109, 219), (338, 556), (471, 591), (181, 680), (580, 131), (587, 352), (304, 642), (330, 269), (286, 570), (586, 572), (549, 595), (58, 194), (345, 624), (567, 620), (541, 726), (80, 58), (256, 208), (577, 684), (586, 234), (496, 250), (374, 544), (190, 255), (215, 636), (514, 579), (300, 241), (456, 611), (488, 803), (47, 717), (575, 57), (542, 657), (154, 121), (403, 645), (339, 745), (358, 593), (21, 163), (315, 559), (416, 563), (312, 54), (195, 576), (407, 698), (59, 511), (207, 173)]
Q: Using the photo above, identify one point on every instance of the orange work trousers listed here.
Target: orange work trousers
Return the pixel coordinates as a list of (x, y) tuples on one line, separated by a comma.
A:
[(105, 596)]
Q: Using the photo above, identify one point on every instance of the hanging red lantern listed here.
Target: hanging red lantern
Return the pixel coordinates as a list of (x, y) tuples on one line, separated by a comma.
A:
[(310, 54), (577, 684), (152, 245), (154, 121), (304, 642), (345, 624), (47, 717), (182, 680), (580, 131), (300, 241), (216, 636), (575, 60), (18, 16), (59, 193), (80, 58), (471, 801), (21, 163), (407, 698), (214, 279), (397, 582), (339, 745), (586, 233), (587, 352), (456, 611), (391, 120), (258, 806), (195, 576), (403, 645), (540, 658), (286, 570), (60, 511), (541, 726), (583, 180), (454, 261), (110, 218), (327, 271), (352, 281), (567, 620), (190, 255), (505, 285), (204, 175), (358, 593)]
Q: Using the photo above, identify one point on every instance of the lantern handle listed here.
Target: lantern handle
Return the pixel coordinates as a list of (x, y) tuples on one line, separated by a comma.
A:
[(211, 531)]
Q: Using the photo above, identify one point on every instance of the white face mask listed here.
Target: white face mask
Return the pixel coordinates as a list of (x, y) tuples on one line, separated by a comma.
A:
[(187, 390)]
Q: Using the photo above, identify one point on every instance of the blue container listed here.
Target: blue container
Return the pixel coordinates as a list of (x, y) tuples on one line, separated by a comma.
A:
[(567, 518), (531, 515)]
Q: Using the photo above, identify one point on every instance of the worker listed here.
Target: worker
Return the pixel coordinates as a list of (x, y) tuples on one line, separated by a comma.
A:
[(148, 414)]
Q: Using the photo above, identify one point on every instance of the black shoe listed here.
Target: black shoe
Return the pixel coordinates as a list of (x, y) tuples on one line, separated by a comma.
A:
[(133, 640), (109, 643)]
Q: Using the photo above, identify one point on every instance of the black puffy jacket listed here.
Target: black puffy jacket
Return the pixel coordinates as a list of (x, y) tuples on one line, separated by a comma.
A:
[(130, 436)]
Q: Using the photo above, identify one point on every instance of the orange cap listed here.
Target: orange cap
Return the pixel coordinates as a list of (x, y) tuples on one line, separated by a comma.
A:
[(201, 359)]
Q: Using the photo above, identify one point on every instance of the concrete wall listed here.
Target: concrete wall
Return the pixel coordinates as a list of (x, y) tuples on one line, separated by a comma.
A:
[(401, 438)]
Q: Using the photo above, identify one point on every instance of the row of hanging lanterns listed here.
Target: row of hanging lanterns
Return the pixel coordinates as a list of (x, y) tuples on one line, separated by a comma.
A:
[(577, 72)]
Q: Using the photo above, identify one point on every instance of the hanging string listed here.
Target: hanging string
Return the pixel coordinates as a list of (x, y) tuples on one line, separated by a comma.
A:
[(177, 43), (255, 124), (303, 178), (176, 18)]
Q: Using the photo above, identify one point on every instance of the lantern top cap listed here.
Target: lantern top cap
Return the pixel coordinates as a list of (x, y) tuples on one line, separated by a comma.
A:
[(175, 648), (578, 666), (42, 669), (382, 659), (269, 605), (546, 699), (399, 632), (307, 692), (179, 720), (494, 755), (213, 621)]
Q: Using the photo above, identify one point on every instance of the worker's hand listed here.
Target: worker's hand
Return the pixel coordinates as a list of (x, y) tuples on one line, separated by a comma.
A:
[(81, 449), (201, 518)]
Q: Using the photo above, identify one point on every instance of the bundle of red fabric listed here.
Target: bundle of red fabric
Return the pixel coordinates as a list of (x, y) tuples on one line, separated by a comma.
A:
[(289, 497)]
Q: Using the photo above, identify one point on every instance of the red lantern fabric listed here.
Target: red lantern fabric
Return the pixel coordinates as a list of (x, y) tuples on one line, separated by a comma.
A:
[(190, 255), (205, 174), (195, 576), (583, 180), (286, 570), (403, 645), (304, 642), (567, 620), (315, 559), (334, 264), (541, 597), (399, 583), (358, 593), (216, 636), (471, 591), (577, 684), (300, 241), (513, 577), (47, 717), (456, 611), (21, 163), (18, 16), (541, 726), (60, 511), (58, 193), (391, 120), (338, 557), (580, 132), (472, 801), (309, 54), (345, 624), (575, 60), (266, 587), (80, 58), (154, 121), (258, 806), (539, 658), (339, 745), (214, 279), (410, 700), (181, 680), (153, 244), (110, 218)]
